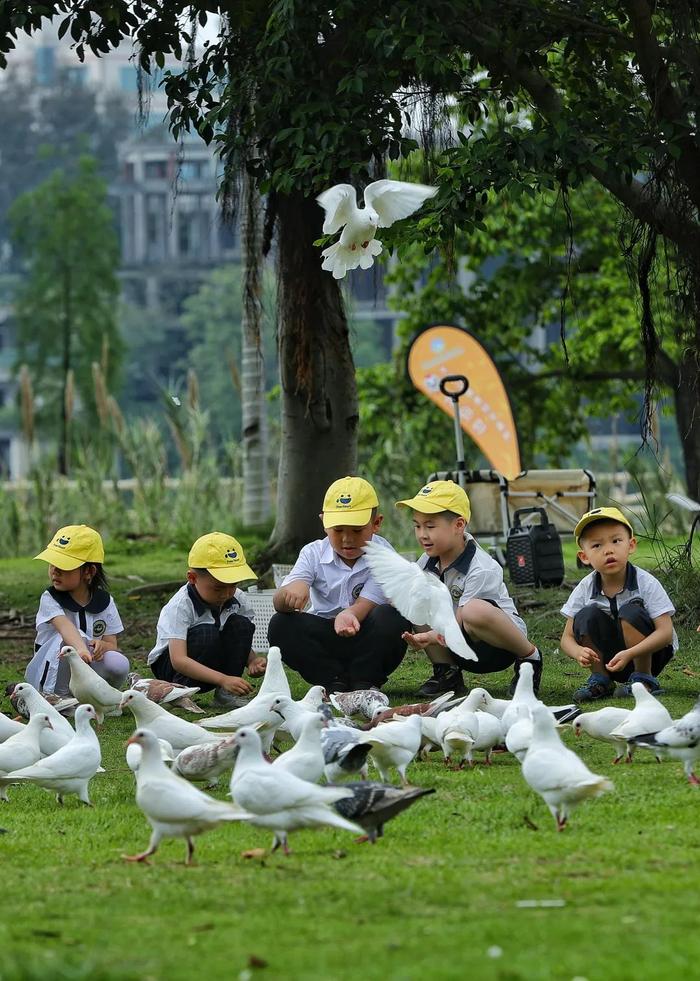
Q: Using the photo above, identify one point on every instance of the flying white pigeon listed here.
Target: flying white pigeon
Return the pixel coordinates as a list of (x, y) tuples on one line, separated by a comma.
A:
[(600, 724), (363, 702), (23, 748), (207, 762), (9, 727), (165, 692), (373, 804), (524, 694), (173, 807), (648, 715), (419, 596), (278, 800), (679, 741), (258, 709), (343, 753), (386, 201), (70, 769), (133, 754), (61, 731), (163, 724), (555, 772), (305, 759), (89, 688), (394, 745)]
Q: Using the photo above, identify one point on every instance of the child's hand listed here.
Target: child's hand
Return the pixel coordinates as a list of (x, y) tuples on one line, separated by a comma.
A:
[(620, 661), (586, 657), (86, 656), (256, 666), (423, 640), (295, 596), (98, 648), (346, 624), (237, 686)]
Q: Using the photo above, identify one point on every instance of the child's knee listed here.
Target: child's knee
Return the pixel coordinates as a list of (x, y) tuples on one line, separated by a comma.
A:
[(476, 614)]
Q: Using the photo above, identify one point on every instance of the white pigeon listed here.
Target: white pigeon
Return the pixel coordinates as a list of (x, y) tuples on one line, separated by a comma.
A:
[(133, 754), (293, 713), (489, 735), (679, 741), (386, 201), (279, 800), (394, 745), (524, 694), (600, 724), (430, 740), (555, 772), (648, 715), (419, 596), (61, 731), (305, 759), (89, 688), (23, 748), (519, 735), (343, 752), (70, 769), (457, 731), (173, 807), (258, 709), (313, 700), (178, 732), (207, 762), (9, 727), (479, 698)]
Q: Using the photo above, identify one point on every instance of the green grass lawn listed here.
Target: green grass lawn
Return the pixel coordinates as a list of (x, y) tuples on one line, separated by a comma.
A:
[(437, 898)]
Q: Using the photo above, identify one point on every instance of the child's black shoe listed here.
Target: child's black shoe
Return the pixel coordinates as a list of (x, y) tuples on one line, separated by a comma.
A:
[(446, 677)]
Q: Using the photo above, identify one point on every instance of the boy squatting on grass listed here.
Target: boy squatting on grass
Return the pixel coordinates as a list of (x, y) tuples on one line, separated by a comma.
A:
[(205, 630), (76, 611), (350, 637), (483, 608), (619, 622)]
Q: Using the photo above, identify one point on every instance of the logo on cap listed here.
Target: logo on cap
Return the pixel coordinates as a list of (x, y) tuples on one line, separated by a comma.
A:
[(62, 541), (231, 555), (344, 500), (427, 489)]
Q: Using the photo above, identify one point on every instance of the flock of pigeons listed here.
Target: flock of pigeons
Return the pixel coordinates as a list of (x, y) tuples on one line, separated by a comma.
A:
[(169, 754)]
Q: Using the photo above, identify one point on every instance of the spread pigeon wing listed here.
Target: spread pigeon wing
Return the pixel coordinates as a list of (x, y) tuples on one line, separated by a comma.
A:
[(338, 202), (393, 200)]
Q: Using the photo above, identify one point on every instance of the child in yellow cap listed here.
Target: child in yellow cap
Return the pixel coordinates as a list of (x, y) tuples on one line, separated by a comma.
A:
[(350, 637), (482, 605), (205, 630), (77, 611), (619, 618)]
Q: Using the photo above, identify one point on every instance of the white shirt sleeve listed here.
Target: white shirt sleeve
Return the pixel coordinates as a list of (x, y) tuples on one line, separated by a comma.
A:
[(304, 569), (113, 621), (656, 599), (578, 598), (176, 620), (48, 609)]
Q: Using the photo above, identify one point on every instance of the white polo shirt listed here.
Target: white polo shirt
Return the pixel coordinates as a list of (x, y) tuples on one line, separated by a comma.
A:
[(99, 617), (187, 609), (334, 585), (475, 575), (639, 584)]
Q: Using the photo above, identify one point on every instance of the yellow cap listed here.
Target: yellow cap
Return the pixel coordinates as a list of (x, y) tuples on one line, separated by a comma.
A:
[(349, 501), (222, 557), (440, 495), (72, 547), (601, 514)]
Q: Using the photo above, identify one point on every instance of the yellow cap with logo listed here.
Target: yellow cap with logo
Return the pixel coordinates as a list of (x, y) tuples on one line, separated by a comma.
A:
[(222, 557), (72, 547), (601, 514), (349, 501), (440, 495)]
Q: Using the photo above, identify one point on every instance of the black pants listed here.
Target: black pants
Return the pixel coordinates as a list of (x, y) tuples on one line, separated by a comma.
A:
[(310, 645), (605, 633), (225, 650)]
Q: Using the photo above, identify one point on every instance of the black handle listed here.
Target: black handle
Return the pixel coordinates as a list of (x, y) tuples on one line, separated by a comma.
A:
[(455, 393), (544, 520)]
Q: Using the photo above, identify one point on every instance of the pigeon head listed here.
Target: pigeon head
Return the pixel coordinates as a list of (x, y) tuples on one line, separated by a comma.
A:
[(280, 705), (43, 721), (85, 712), (141, 737), (22, 689), (247, 737), (129, 697), (68, 652)]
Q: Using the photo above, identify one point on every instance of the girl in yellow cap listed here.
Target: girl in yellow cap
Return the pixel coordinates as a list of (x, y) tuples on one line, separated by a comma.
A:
[(77, 611)]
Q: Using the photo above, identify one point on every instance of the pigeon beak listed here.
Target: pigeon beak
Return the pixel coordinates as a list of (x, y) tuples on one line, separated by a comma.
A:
[(131, 741), (48, 724)]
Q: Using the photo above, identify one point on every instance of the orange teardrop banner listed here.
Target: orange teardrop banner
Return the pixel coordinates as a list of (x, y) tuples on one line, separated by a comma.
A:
[(485, 411)]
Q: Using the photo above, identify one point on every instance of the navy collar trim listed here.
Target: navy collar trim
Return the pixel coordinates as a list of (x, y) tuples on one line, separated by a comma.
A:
[(630, 581), (201, 607), (99, 601), (461, 563)]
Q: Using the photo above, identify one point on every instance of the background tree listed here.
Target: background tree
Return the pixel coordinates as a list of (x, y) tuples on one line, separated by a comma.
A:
[(65, 305)]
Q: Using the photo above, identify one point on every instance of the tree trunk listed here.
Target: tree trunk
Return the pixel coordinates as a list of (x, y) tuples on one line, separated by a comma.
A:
[(256, 487), (687, 402), (319, 396)]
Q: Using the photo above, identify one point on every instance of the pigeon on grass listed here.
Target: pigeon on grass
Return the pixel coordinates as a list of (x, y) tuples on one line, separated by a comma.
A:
[(257, 710), (165, 725), (305, 759), (279, 800), (89, 688), (165, 692), (363, 702), (9, 727), (648, 715), (173, 807), (394, 745), (343, 753), (373, 804), (679, 741), (65, 704), (555, 772), (70, 769), (386, 201), (600, 724), (23, 748), (207, 762), (61, 731), (419, 596), (525, 695)]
